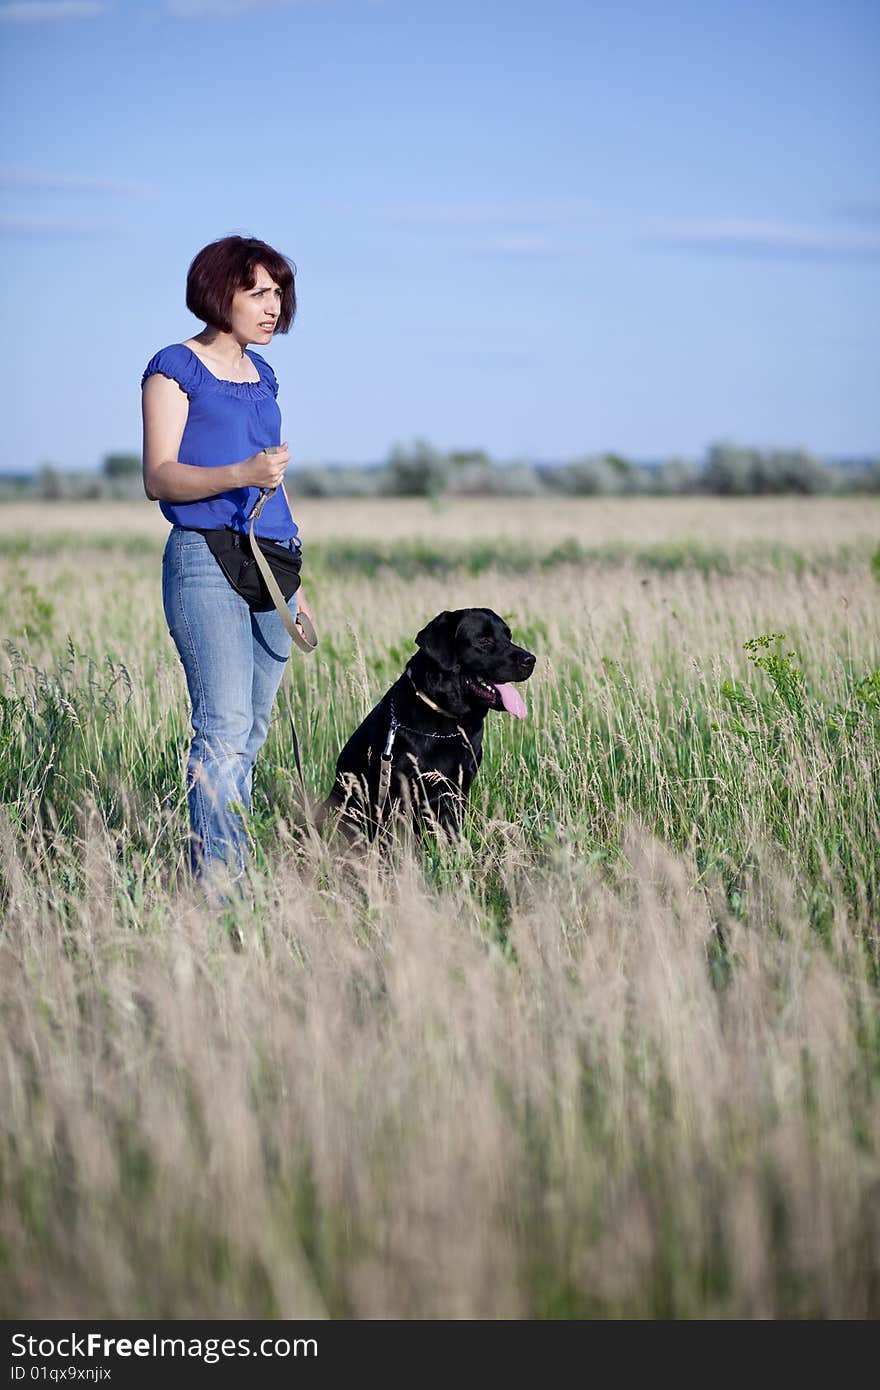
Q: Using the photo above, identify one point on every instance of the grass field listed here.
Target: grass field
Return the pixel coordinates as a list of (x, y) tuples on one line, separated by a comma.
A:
[(616, 1053)]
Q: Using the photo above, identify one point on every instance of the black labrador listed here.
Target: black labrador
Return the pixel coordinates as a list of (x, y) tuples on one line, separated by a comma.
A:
[(419, 749)]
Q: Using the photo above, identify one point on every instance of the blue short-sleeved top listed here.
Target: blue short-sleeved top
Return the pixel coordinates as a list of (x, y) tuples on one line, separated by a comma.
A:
[(228, 421)]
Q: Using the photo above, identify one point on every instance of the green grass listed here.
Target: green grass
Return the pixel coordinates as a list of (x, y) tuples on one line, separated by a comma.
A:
[(412, 559), (615, 1053)]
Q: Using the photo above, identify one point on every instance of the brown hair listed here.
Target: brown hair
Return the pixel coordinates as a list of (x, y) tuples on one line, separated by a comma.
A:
[(228, 265)]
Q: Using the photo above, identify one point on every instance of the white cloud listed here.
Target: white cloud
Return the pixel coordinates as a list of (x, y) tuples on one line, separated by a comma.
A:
[(745, 236), (12, 224), (544, 229), (220, 9), (67, 183), (541, 229), (865, 210), (527, 248), (573, 228), (43, 11), (501, 216)]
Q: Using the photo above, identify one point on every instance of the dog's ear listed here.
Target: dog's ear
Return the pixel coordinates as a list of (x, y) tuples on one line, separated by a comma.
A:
[(437, 640)]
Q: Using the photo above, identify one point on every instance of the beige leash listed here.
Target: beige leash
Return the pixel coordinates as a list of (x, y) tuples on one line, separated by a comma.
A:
[(302, 631)]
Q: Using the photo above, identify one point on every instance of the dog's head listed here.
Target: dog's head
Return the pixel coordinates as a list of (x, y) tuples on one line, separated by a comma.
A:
[(471, 662)]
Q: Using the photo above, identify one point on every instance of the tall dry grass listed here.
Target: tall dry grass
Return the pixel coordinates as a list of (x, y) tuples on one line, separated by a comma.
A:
[(615, 1054), (372, 1110), (797, 521)]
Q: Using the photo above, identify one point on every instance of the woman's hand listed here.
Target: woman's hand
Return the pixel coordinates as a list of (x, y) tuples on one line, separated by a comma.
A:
[(266, 469), (303, 606)]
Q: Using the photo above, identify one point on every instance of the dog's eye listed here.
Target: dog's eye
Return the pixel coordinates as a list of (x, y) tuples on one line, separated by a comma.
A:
[(484, 641)]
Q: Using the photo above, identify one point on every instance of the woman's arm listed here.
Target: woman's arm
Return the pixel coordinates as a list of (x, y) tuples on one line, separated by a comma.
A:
[(166, 479)]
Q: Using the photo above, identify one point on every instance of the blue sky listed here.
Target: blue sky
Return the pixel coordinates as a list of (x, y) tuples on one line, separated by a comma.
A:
[(545, 229)]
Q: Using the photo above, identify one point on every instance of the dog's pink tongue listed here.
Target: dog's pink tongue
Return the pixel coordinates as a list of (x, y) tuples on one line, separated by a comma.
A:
[(512, 700)]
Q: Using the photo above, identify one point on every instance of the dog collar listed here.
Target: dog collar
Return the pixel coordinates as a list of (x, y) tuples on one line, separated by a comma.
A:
[(427, 699)]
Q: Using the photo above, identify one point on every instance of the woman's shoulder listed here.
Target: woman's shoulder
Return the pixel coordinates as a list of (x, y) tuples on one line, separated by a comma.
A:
[(178, 362)]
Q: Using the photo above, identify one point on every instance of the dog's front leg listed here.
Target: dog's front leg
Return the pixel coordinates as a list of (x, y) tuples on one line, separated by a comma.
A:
[(450, 814), (446, 803)]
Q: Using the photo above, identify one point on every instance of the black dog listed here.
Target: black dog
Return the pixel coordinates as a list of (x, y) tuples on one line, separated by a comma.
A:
[(420, 748)]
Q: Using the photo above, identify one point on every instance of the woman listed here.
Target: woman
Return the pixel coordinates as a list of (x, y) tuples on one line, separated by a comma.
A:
[(211, 419)]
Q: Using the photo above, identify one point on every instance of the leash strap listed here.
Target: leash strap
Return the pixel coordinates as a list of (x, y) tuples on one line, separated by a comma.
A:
[(385, 762), (302, 632), (294, 739)]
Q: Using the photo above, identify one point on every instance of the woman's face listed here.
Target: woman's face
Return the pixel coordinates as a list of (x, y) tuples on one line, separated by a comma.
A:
[(254, 312)]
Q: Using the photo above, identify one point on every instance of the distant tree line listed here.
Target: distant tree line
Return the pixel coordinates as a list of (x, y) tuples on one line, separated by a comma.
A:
[(727, 470), (420, 470)]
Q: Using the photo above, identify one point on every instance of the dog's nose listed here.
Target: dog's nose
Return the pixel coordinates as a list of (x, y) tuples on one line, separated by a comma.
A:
[(527, 660)]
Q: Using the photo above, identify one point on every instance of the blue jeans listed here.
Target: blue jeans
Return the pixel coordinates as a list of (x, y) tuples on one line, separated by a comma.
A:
[(233, 659)]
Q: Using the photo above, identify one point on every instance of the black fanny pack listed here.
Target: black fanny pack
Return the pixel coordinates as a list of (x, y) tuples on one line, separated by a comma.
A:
[(233, 553)]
